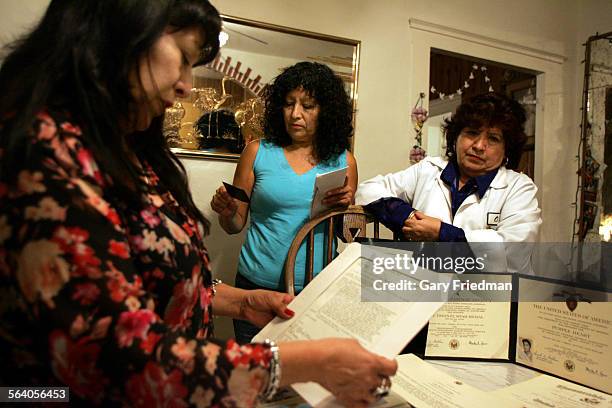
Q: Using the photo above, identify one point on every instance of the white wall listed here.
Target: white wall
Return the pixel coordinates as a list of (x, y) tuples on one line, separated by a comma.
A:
[(388, 88), (15, 17)]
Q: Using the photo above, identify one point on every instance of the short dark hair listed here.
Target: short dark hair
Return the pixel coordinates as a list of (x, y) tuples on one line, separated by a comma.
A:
[(78, 59), (527, 341), (490, 109), (334, 126)]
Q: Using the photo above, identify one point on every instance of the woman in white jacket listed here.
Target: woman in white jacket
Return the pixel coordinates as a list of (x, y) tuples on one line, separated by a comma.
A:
[(471, 195)]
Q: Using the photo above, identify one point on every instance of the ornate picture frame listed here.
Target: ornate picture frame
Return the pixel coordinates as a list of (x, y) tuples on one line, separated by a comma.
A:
[(225, 108)]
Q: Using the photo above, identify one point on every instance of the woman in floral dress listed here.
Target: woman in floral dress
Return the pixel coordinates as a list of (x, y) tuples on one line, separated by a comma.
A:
[(105, 284)]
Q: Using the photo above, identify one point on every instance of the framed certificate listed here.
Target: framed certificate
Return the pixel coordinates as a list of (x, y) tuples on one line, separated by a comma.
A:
[(473, 327), (570, 335)]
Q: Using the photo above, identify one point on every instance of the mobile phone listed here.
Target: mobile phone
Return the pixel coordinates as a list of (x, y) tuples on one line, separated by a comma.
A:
[(236, 192)]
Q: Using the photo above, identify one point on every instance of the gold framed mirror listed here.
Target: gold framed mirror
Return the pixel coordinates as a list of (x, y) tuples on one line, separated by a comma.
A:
[(225, 108)]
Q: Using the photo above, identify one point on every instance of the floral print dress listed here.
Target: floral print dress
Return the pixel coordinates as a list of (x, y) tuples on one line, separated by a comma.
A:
[(113, 301)]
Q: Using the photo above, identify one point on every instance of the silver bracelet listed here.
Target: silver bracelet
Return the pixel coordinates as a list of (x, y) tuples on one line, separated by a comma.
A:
[(215, 282), (275, 371)]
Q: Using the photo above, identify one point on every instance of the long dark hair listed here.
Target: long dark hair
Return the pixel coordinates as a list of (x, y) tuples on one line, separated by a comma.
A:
[(78, 59), (334, 125), (490, 109)]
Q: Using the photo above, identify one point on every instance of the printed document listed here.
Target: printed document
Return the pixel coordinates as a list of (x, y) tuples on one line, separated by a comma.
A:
[(331, 306), (323, 183)]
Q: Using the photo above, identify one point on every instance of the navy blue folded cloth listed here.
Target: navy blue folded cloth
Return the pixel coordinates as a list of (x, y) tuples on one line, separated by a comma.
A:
[(391, 212)]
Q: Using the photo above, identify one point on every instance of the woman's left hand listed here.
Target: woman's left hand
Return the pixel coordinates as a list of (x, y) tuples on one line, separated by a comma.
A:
[(422, 228), (340, 196), (260, 306)]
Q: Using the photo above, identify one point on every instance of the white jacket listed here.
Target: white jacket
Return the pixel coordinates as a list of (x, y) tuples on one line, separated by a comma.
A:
[(508, 211)]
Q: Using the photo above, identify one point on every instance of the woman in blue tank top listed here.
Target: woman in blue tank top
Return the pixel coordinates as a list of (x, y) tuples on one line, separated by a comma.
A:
[(308, 126)]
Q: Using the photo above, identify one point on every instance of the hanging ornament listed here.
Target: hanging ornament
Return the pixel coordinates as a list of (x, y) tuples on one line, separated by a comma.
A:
[(466, 85), (417, 153), (419, 116)]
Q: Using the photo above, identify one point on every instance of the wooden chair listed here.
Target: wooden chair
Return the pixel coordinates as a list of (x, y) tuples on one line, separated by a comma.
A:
[(354, 222)]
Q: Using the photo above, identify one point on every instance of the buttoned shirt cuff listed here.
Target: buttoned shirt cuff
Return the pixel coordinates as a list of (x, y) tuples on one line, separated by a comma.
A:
[(450, 233)]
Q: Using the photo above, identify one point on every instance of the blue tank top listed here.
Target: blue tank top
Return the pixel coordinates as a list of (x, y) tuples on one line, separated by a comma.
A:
[(280, 206)]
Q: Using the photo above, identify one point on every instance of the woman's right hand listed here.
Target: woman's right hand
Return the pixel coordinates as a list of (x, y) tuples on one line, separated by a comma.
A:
[(223, 204), (342, 366), (421, 227), (352, 373)]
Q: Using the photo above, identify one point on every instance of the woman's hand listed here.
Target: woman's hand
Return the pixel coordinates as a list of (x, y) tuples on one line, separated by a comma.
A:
[(340, 196), (352, 373), (420, 227), (223, 204), (342, 366), (260, 306)]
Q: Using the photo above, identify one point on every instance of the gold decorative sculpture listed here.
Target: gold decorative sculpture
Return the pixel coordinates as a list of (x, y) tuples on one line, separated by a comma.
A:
[(205, 99), (225, 96), (249, 116)]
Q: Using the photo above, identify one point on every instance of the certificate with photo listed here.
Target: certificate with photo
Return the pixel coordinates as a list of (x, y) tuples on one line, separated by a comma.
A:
[(571, 338)]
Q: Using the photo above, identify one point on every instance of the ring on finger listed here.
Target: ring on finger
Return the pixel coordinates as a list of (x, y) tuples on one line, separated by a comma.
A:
[(383, 388)]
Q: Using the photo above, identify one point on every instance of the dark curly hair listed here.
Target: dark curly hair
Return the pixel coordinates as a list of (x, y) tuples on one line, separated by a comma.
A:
[(334, 125), (490, 109)]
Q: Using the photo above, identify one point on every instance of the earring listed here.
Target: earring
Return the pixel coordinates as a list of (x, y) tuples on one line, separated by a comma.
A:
[(506, 162)]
